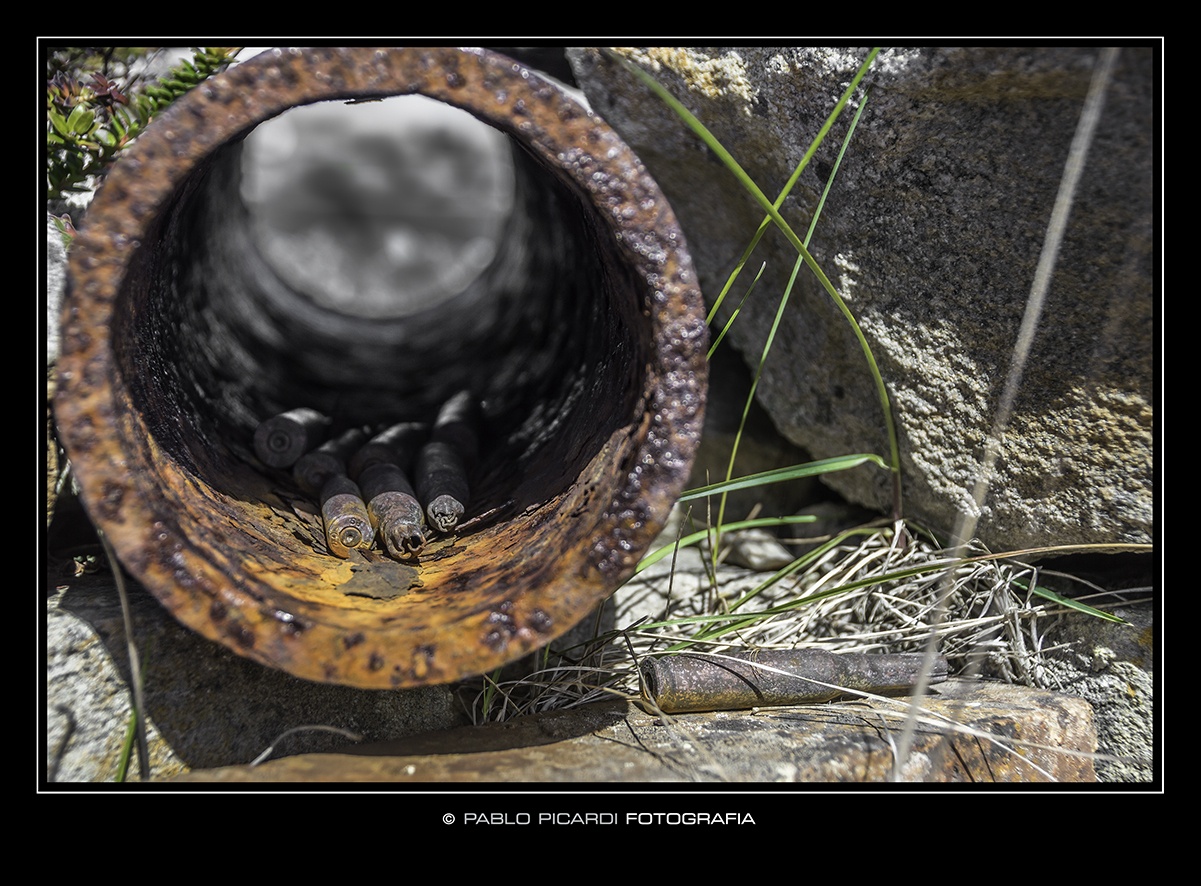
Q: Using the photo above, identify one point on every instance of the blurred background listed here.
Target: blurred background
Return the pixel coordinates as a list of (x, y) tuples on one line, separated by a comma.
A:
[(380, 208)]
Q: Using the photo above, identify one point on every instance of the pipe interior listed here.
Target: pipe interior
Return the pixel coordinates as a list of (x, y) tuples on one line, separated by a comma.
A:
[(211, 339)]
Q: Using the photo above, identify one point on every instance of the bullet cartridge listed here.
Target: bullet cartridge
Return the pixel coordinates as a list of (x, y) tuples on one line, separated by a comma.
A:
[(347, 524), (397, 444), (313, 469), (280, 440), (692, 681), (393, 509)]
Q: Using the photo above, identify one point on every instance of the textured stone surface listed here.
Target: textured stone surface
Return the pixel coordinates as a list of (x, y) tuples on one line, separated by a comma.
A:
[(931, 233), (1112, 667), (206, 705), (615, 742)]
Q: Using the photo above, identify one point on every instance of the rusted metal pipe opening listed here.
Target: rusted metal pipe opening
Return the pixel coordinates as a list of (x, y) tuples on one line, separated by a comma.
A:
[(584, 340)]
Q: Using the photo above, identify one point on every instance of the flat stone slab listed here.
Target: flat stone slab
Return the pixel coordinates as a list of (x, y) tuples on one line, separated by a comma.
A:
[(969, 732)]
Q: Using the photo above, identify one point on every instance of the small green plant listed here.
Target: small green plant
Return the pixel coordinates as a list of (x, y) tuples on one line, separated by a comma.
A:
[(91, 116)]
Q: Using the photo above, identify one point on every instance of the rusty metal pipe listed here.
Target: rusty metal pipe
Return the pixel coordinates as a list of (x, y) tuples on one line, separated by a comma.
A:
[(584, 340)]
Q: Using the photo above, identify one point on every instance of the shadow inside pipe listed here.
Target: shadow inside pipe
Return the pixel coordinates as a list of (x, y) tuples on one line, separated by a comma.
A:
[(534, 333)]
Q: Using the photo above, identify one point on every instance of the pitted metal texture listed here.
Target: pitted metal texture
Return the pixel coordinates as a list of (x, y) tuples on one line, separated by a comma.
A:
[(585, 340)]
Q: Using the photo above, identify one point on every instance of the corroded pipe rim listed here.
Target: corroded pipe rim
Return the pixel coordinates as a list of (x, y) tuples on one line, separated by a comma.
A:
[(333, 645)]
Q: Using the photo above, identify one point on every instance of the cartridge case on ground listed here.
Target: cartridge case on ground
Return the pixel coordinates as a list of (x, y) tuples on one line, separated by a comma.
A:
[(694, 681)]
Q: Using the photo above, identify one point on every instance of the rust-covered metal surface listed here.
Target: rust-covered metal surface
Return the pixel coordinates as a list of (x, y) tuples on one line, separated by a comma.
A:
[(585, 341), (691, 681)]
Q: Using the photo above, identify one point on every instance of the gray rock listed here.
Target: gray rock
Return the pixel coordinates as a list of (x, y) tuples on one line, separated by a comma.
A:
[(1112, 668), (759, 550), (614, 742), (206, 706), (931, 234)]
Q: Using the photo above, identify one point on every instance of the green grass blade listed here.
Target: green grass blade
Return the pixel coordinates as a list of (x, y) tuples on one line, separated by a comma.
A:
[(734, 315), (753, 189), (809, 469), (1053, 597), (131, 732), (796, 174), (697, 537), (771, 336), (842, 150), (750, 397)]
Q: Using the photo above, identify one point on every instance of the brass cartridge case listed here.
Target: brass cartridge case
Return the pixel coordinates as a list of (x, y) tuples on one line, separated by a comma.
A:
[(314, 469), (442, 485), (691, 681), (345, 517), (394, 510)]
